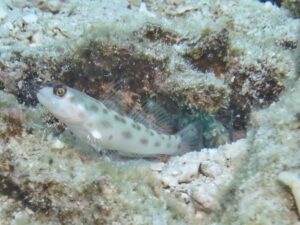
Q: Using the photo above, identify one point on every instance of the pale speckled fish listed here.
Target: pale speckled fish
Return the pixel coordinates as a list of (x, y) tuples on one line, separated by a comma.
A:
[(93, 122)]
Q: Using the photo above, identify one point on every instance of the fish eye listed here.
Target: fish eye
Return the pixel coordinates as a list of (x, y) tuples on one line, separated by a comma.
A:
[(59, 90)]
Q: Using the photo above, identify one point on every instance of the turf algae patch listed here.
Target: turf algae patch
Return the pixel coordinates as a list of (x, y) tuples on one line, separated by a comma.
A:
[(156, 33), (100, 66), (253, 87), (209, 53)]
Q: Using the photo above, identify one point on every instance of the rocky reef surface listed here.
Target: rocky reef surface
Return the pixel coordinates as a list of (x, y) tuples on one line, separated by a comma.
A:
[(229, 64)]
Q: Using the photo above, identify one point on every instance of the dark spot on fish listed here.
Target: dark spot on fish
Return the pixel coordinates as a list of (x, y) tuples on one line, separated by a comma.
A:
[(94, 108), (151, 132), (144, 141), (104, 110), (72, 99), (127, 134), (106, 123), (168, 145), (119, 118), (110, 137), (123, 120), (157, 144), (80, 114), (136, 126)]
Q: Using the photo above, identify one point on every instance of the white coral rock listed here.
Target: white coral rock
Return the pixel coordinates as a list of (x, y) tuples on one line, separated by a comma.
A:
[(293, 182)]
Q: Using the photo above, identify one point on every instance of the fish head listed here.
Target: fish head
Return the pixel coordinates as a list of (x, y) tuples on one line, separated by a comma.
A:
[(63, 102)]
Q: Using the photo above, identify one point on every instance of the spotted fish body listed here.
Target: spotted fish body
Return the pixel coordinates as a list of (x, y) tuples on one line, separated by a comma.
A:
[(103, 128)]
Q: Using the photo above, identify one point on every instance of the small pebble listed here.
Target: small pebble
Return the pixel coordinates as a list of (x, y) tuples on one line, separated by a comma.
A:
[(37, 39), (168, 181), (174, 173), (57, 144), (30, 18), (205, 196), (157, 166), (210, 169), (268, 6), (53, 6), (8, 26)]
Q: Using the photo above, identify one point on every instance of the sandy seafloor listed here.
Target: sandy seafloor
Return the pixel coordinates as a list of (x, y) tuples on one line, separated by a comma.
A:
[(45, 179)]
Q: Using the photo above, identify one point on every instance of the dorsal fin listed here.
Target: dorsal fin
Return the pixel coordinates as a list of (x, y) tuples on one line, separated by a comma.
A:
[(110, 98), (153, 116), (120, 98)]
